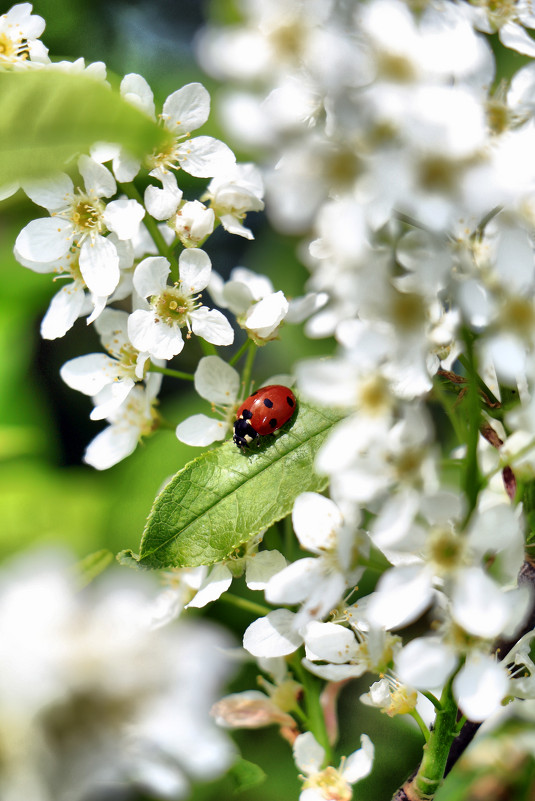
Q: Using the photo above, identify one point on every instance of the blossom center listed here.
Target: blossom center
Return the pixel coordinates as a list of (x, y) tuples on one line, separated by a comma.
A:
[(446, 550), (374, 396), (518, 315), (330, 784), (498, 11), (86, 214), (172, 306), (168, 158), (11, 50)]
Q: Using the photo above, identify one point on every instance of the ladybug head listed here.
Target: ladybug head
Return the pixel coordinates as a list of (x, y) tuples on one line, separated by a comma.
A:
[(244, 433)]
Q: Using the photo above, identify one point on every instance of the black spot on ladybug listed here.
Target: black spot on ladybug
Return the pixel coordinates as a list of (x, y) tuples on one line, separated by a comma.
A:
[(268, 403), (273, 422), (246, 414), (290, 402)]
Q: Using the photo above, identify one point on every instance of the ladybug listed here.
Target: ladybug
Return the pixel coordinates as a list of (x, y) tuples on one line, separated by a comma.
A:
[(262, 413)]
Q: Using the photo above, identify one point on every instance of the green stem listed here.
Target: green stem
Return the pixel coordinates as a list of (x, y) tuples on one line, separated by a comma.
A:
[(447, 405), (472, 477), (244, 603), (207, 347), (151, 225), (430, 697), (248, 367), (312, 687), (481, 384), (154, 368), (239, 353), (423, 728), (436, 750)]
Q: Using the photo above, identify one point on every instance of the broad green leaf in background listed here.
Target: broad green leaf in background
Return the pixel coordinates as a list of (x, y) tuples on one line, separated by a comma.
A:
[(49, 116), (224, 497)]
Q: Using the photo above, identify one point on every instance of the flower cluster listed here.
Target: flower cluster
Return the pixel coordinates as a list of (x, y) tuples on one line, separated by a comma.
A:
[(90, 684), (394, 145), (400, 154), (100, 236)]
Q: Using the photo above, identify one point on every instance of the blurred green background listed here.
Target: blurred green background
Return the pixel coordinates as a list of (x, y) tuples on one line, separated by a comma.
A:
[(48, 497)]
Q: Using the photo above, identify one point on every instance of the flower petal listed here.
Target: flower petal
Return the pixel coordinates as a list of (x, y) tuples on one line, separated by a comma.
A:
[(425, 663), (514, 36), (480, 686), (89, 374), (123, 216), (99, 265), (52, 193), (45, 239), (163, 203), (110, 397), (200, 430), (216, 381), (65, 308), (308, 753), (296, 582), (359, 763), (136, 90), (212, 325), (316, 521), (402, 594), (272, 635), (160, 340), (150, 276), (186, 109), (194, 267), (261, 567), (205, 157), (111, 446), (330, 642), (214, 585), (97, 178)]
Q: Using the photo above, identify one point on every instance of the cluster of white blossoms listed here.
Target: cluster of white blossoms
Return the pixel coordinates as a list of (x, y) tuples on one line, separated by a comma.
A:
[(100, 241), (94, 698), (399, 153), (395, 147)]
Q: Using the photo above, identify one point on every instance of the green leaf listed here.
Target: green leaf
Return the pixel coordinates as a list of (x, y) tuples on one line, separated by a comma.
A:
[(91, 566), (246, 775), (224, 497), (48, 117)]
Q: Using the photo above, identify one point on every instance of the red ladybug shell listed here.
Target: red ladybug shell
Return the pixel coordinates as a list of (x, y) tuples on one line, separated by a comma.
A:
[(263, 412)]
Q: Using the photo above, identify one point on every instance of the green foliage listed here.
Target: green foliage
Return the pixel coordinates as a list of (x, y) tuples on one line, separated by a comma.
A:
[(246, 775), (224, 497), (49, 117)]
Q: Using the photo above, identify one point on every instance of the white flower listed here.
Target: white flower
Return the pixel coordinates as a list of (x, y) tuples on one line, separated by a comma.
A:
[(235, 193), (81, 218), (258, 308), (258, 566), (347, 653), (89, 684), (193, 223), (317, 583), (184, 111), (109, 379), (330, 784), (219, 383), (133, 419), (72, 300), (479, 686), (157, 328), (19, 38)]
